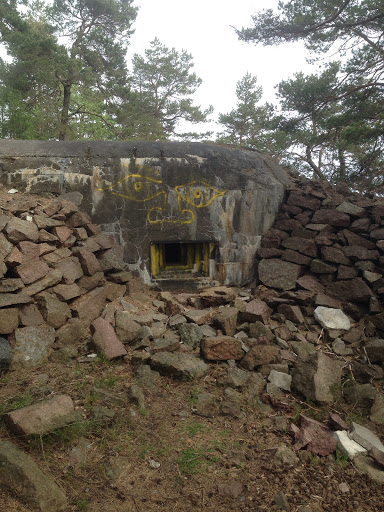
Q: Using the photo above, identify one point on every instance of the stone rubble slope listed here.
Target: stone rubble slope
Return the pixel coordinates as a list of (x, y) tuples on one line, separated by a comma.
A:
[(309, 327)]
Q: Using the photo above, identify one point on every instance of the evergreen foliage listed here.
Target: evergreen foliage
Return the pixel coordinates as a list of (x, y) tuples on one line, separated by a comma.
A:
[(333, 121)]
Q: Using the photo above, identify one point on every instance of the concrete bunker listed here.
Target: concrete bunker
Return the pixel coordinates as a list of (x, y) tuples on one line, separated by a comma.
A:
[(179, 210)]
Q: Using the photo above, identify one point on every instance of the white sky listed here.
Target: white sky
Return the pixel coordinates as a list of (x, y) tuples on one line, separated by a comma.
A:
[(203, 28)]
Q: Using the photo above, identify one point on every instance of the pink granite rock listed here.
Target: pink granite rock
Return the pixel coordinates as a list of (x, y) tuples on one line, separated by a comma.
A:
[(106, 341), (42, 417)]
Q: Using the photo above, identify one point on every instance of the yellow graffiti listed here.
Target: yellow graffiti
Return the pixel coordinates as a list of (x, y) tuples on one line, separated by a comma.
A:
[(137, 188), (198, 193), (141, 189), (189, 214)]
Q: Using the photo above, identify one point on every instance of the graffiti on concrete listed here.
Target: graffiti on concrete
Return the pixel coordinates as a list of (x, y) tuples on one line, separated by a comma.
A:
[(140, 188)]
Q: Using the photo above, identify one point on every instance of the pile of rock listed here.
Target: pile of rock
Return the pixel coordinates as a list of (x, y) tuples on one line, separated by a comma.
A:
[(330, 244), (57, 272)]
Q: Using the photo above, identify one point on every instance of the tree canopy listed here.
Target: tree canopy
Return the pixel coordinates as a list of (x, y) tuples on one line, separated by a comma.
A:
[(161, 85), (68, 77), (248, 123), (343, 116), (66, 60)]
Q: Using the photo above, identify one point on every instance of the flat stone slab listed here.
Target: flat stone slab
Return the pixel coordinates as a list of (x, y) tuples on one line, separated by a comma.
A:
[(9, 320), (180, 366), (365, 437), (32, 271), (316, 376), (127, 329), (24, 479), (190, 334), (53, 277), (348, 446), (331, 318), (42, 417), (11, 299), (18, 230), (89, 306)]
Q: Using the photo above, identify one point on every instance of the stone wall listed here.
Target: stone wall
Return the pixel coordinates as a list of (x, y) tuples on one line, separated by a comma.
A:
[(326, 248), (143, 193)]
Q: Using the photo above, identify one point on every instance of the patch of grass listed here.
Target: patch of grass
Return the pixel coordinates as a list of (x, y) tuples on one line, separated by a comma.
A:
[(82, 504), (4, 379), (337, 392), (356, 417), (17, 402), (313, 459), (62, 437), (195, 460), (193, 429), (107, 382), (179, 480), (189, 461), (91, 398), (297, 410), (192, 396), (102, 361)]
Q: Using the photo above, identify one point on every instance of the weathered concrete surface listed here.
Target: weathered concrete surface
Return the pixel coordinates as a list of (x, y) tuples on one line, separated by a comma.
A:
[(144, 192)]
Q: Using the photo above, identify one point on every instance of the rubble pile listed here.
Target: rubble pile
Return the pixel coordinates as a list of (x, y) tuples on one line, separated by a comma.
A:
[(309, 330), (327, 248), (57, 272)]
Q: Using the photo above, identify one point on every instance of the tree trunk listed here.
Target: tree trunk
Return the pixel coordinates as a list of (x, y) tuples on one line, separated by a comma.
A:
[(312, 164), (64, 120)]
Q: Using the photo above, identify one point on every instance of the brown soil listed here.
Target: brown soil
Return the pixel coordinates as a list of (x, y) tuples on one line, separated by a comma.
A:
[(196, 453)]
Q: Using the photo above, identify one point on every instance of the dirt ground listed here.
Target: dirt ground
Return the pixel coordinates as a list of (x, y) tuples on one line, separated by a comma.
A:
[(166, 457)]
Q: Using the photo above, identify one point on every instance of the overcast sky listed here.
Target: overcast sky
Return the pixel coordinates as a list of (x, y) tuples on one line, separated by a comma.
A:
[(204, 28)]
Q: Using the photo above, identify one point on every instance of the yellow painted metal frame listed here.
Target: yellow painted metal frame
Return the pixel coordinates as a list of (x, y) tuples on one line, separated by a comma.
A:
[(196, 253)]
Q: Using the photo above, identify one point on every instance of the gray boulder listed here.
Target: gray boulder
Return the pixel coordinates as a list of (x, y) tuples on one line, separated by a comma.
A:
[(331, 318), (190, 334)]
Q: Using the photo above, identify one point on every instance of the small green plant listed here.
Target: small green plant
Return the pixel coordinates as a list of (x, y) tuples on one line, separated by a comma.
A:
[(297, 410), (82, 504), (4, 379), (336, 391), (341, 458), (101, 360), (179, 480), (314, 459), (193, 394)]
